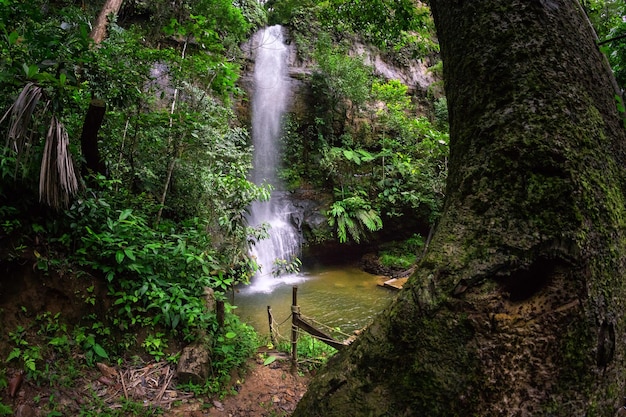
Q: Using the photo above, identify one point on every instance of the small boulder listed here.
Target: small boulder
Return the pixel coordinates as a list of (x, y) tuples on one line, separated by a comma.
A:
[(194, 364)]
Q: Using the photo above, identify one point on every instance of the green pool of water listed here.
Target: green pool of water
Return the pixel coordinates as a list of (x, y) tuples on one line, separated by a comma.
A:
[(343, 298)]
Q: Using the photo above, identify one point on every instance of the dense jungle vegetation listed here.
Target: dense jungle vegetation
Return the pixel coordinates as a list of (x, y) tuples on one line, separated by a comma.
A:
[(159, 214)]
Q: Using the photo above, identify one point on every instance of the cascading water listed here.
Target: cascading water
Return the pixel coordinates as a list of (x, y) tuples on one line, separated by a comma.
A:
[(269, 102)]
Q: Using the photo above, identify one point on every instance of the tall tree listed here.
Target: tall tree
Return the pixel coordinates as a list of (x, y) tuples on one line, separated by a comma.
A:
[(518, 306)]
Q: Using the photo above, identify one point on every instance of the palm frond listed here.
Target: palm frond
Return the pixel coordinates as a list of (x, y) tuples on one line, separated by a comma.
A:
[(20, 115), (57, 179)]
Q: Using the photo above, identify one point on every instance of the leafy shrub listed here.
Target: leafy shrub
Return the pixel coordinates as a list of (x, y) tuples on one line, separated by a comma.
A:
[(353, 216), (401, 255), (312, 353)]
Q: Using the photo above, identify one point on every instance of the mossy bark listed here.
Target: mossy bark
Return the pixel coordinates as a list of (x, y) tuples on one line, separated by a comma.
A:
[(518, 308)]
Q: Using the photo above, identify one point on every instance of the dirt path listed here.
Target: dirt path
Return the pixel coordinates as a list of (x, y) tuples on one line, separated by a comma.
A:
[(265, 391), (258, 391)]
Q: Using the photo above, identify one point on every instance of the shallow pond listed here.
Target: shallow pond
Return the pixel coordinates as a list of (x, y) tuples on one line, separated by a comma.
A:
[(344, 298)]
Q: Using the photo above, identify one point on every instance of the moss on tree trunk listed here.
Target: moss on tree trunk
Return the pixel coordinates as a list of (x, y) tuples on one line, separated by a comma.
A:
[(517, 309)]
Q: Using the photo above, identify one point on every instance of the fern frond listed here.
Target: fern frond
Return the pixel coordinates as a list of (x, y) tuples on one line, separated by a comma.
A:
[(370, 219)]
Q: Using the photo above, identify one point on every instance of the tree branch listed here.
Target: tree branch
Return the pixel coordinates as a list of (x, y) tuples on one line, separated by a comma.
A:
[(616, 38)]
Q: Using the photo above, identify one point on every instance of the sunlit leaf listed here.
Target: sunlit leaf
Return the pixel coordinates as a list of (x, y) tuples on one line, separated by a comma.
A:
[(268, 360)]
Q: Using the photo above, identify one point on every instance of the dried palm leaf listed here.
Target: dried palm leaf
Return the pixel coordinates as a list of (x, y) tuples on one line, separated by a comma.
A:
[(57, 178), (20, 116)]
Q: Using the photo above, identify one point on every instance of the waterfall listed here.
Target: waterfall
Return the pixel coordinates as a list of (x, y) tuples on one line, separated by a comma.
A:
[(269, 102)]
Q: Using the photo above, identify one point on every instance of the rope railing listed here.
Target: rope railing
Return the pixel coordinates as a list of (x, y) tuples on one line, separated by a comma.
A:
[(302, 324)]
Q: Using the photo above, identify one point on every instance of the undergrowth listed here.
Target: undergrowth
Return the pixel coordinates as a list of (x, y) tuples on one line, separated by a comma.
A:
[(403, 254), (312, 353)]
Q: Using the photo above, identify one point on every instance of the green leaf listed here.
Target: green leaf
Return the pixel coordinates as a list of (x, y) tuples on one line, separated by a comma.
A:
[(5, 410), (269, 360), (99, 350), (13, 37), (231, 335), (30, 364), (30, 71), (124, 214), (130, 254), (15, 353), (119, 256)]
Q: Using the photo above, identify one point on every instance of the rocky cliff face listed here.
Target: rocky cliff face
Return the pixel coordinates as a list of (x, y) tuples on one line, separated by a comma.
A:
[(415, 74)]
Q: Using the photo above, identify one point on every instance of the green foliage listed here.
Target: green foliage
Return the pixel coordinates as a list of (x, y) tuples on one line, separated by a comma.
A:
[(169, 134), (388, 24), (219, 25), (5, 410), (312, 353), (94, 352), (413, 156), (607, 17), (398, 166), (341, 85), (48, 336), (441, 114), (230, 348), (295, 154), (155, 344), (353, 216), (284, 266), (25, 353), (401, 255), (41, 47), (392, 25), (158, 274), (253, 12), (115, 70), (395, 162)]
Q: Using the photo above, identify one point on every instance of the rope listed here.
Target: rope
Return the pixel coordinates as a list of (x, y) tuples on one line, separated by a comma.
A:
[(285, 321), (331, 329), (274, 327)]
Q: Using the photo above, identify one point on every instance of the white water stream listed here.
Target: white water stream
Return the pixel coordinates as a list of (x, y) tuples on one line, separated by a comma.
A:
[(269, 103)]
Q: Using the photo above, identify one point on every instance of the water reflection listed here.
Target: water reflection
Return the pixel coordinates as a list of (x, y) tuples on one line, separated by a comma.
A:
[(340, 297)]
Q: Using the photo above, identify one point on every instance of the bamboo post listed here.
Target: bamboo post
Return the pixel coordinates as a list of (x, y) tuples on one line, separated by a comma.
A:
[(270, 320), (295, 315)]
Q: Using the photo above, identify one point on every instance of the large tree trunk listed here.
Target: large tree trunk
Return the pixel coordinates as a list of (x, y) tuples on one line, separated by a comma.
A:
[(517, 309)]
